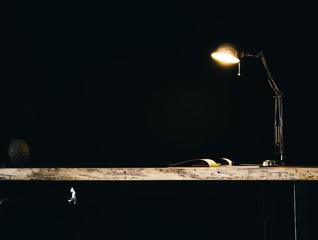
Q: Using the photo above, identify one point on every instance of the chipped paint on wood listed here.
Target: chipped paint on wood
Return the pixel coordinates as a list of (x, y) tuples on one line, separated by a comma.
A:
[(281, 173)]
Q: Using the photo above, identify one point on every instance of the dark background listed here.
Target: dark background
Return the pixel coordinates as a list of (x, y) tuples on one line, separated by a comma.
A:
[(132, 83)]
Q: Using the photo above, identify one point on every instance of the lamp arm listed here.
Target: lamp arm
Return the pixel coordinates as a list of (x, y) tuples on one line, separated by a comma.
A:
[(269, 75), (270, 78), (278, 118)]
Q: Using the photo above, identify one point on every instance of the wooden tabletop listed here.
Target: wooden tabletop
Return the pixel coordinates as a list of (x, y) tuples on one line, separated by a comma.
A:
[(237, 173)]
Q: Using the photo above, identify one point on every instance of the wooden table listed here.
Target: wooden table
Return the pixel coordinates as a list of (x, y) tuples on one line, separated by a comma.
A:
[(296, 175), (236, 173)]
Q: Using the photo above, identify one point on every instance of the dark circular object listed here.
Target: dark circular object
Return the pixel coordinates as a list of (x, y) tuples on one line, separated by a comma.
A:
[(19, 152)]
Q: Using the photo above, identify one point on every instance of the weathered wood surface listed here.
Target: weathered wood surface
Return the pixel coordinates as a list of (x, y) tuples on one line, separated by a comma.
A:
[(281, 173)]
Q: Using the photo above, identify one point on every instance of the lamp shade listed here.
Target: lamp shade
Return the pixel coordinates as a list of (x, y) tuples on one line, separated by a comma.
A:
[(226, 53)]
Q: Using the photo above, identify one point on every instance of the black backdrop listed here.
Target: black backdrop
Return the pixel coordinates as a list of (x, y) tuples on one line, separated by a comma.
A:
[(133, 82)]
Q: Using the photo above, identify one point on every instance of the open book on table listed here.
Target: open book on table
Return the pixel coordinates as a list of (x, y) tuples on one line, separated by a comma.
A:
[(203, 162)]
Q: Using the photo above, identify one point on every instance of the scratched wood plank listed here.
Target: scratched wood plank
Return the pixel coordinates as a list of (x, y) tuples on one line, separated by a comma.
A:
[(281, 173)]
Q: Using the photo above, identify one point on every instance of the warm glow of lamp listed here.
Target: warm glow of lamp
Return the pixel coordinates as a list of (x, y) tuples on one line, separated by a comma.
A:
[(226, 53)]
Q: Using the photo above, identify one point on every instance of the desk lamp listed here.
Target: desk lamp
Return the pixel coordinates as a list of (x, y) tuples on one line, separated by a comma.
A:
[(228, 54)]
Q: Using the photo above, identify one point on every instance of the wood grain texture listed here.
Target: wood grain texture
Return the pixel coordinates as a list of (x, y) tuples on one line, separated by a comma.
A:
[(281, 173)]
